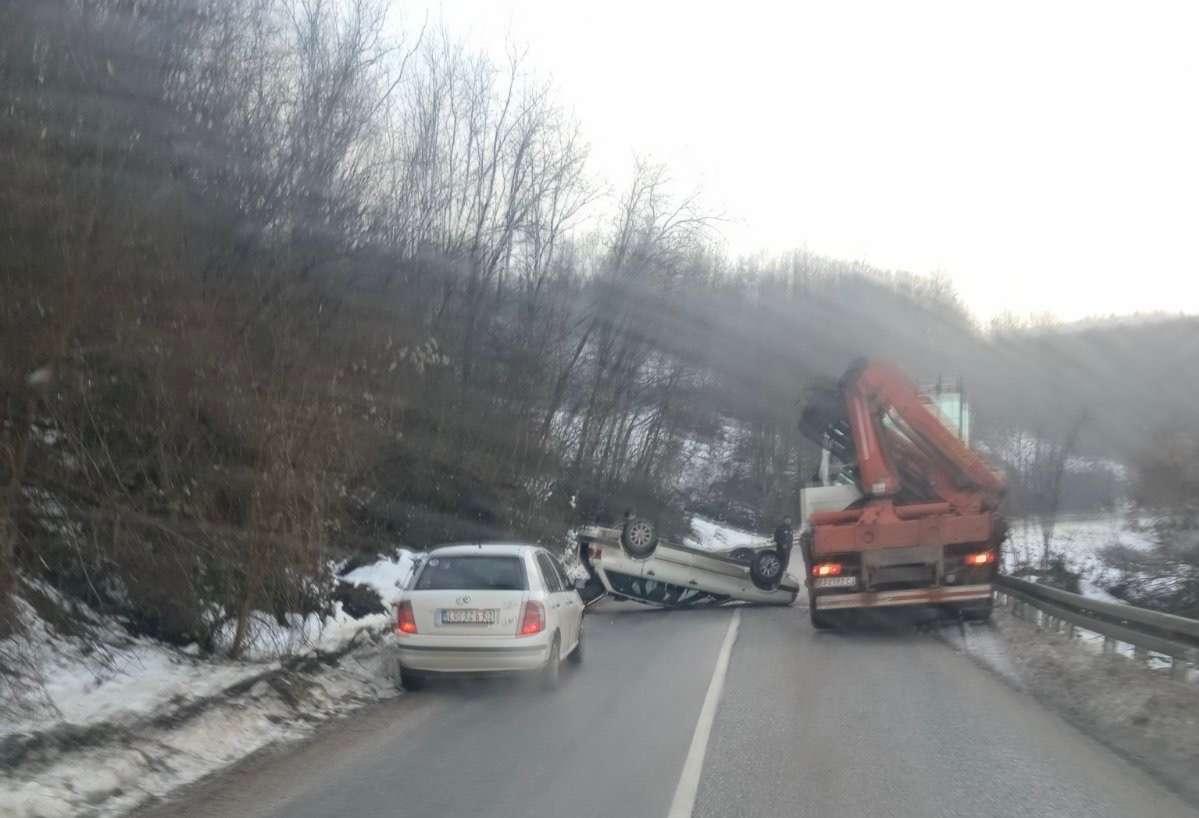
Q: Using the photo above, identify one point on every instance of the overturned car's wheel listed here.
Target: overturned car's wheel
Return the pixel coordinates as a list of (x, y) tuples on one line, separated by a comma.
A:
[(743, 555), (639, 538), (766, 570)]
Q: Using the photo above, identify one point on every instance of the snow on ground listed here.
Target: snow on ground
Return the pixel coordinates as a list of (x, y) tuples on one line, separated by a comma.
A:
[(268, 639), (713, 536), (140, 680), (388, 576), (108, 676), (1080, 539), (137, 699), (151, 760)]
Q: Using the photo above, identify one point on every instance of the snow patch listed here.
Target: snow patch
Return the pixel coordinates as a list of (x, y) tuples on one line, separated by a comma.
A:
[(158, 717), (388, 577), (117, 776), (1079, 539), (108, 676)]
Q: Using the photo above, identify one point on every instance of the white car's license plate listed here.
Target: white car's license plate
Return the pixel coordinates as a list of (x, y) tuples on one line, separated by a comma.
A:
[(836, 582), (469, 616)]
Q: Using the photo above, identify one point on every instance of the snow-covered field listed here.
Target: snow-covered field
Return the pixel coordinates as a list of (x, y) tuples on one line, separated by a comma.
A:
[(1080, 539), (110, 721)]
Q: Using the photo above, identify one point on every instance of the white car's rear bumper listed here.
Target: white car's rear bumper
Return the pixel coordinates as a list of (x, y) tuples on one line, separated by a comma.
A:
[(440, 654)]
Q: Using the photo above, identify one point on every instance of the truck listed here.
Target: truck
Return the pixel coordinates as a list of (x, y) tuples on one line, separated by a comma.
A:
[(904, 511)]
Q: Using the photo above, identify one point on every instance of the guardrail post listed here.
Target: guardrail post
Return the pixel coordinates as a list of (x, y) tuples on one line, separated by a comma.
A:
[(1178, 668), (1070, 631), (1140, 654), (1109, 646)]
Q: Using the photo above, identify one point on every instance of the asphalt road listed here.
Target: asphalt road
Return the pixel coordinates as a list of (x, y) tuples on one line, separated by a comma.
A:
[(868, 722)]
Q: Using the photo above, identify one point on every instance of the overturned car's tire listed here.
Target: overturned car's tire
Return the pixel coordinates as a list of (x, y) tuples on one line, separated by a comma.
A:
[(766, 570), (639, 538), (743, 555)]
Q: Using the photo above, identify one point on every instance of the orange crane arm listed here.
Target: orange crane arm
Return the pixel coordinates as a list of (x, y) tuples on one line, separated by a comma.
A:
[(917, 436)]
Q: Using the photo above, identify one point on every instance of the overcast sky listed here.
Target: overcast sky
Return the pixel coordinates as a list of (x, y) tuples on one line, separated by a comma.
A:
[(1042, 155)]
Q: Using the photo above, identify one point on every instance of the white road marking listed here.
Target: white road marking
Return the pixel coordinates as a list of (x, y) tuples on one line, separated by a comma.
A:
[(684, 795)]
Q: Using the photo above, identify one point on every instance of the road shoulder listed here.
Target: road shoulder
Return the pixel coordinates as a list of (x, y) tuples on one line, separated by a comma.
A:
[(1142, 714)]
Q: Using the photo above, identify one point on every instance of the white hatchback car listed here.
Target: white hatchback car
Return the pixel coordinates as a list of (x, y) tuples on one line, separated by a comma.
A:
[(487, 609)]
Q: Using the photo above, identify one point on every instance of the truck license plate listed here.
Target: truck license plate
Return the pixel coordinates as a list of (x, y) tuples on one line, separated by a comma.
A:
[(469, 616), (836, 582)]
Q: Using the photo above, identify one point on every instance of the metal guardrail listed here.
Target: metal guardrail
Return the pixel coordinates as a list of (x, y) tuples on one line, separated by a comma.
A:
[(1173, 636)]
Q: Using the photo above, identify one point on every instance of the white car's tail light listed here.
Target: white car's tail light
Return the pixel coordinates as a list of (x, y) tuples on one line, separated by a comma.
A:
[(405, 618), (532, 619)]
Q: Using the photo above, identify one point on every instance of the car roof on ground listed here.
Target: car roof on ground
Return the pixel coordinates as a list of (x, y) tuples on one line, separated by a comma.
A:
[(501, 549)]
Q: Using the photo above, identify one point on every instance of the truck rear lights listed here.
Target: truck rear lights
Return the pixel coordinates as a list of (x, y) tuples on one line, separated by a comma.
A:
[(532, 619), (405, 619), (827, 569), (981, 558)]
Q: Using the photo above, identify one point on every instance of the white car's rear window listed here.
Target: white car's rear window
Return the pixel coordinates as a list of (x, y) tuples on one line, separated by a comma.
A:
[(481, 573)]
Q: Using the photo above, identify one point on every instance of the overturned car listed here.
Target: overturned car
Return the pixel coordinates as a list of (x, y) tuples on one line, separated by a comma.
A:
[(631, 562)]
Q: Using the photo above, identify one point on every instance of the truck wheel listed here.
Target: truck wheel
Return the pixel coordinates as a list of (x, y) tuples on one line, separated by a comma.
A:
[(820, 621), (766, 570), (743, 555), (639, 538)]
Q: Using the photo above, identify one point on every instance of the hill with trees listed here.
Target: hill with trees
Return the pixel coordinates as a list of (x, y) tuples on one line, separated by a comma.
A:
[(277, 289)]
